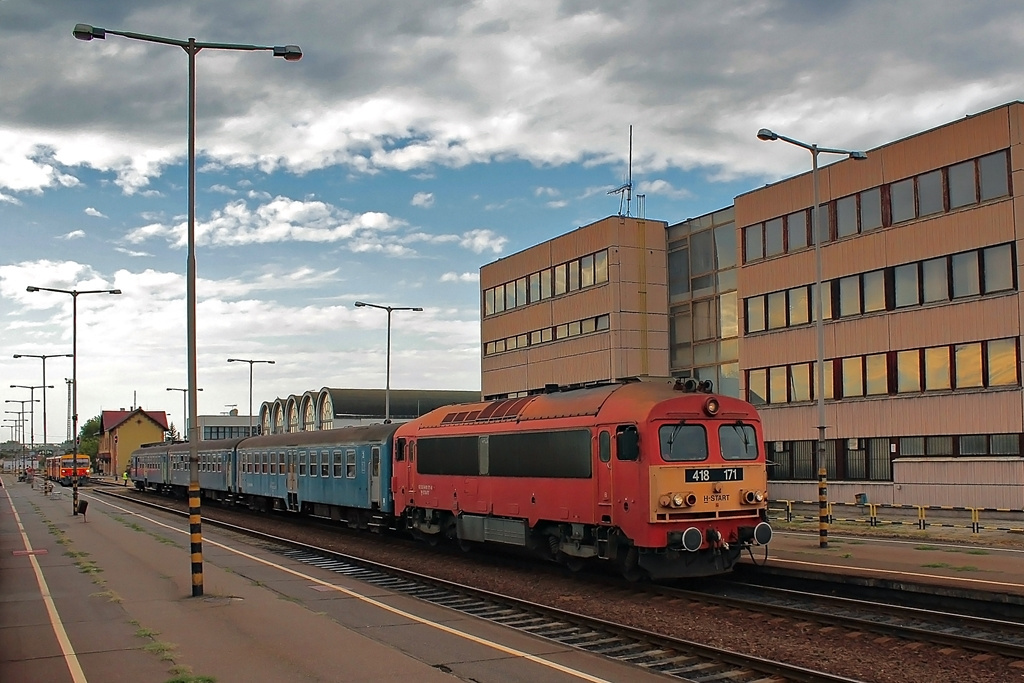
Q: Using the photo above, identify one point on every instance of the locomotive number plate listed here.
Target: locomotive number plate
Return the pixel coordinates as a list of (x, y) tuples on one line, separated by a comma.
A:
[(703, 474)]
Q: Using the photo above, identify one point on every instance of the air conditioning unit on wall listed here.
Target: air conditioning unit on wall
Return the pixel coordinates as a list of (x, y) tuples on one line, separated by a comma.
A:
[(853, 444)]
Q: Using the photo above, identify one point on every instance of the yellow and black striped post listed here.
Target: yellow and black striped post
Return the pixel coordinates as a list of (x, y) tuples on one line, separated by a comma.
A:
[(195, 528), (822, 509)]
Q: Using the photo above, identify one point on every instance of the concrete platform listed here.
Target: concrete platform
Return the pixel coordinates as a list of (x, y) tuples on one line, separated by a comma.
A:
[(109, 598)]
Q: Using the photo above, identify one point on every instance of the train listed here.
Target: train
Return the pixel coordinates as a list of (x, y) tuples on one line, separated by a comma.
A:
[(61, 468), (661, 480)]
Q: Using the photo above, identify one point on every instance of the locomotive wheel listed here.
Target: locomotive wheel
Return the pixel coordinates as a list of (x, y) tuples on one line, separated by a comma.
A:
[(631, 571), (573, 564)]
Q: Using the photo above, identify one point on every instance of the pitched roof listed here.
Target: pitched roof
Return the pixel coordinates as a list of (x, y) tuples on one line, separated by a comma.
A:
[(111, 419)]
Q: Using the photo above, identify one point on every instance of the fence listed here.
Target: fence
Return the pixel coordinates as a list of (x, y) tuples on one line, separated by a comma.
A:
[(922, 522)]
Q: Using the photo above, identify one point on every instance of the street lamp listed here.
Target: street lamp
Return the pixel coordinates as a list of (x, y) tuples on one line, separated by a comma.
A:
[(74, 373), (387, 385), (767, 135), (43, 357), (32, 408), (251, 363), (192, 47), (184, 403)]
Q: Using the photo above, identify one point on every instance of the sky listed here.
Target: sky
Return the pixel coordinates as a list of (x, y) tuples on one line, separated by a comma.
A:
[(412, 144)]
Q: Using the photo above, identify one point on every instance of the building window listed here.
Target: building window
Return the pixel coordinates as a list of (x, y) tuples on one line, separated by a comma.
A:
[(967, 361), (755, 314), (753, 246), (773, 244), (966, 275), (901, 201), (799, 306), (777, 310), (800, 382), (906, 285), (935, 279), (796, 230), (908, 371), (757, 387), (962, 187), (853, 377), (929, 193), (876, 372), (998, 268), (846, 216), (995, 180), (874, 291), (849, 296), (936, 369), (871, 209), (1002, 362)]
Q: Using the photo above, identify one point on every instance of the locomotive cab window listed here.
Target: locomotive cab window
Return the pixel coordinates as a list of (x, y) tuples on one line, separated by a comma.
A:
[(738, 441), (683, 443), (400, 450), (604, 446), (627, 442)]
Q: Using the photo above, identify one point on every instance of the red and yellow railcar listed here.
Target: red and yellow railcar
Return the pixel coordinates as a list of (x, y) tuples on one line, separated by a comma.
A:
[(61, 468), (663, 481)]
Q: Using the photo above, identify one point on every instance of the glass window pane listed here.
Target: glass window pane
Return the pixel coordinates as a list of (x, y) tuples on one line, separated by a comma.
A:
[(974, 444), (1005, 444), (939, 445), (489, 301), (870, 209), (678, 272), (729, 350), (534, 287), (901, 200), (908, 371), (705, 354), (826, 301), (510, 295), (757, 387), (499, 298), (874, 291), (998, 265), (730, 326), (545, 284), (753, 249), (777, 391), (1002, 362), (561, 279), (912, 445), (929, 193), (908, 292), (968, 365), (824, 227), (702, 252), (587, 271), (994, 181), (575, 328), (776, 310), (936, 285), (796, 230), (830, 379), (800, 382), (799, 306), (962, 190), (521, 291), (725, 245), (601, 267), (755, 314), (936, 368), (729, 379), (966, 278), (705, 319), (846, 216), (849, 296), (574, 275), (853, 377), (877, 374), (588, 325), (773, 237), (546, 334)]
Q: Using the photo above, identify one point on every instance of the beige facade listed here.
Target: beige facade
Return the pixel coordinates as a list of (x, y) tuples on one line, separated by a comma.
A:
[(585, 307), (922, 322)]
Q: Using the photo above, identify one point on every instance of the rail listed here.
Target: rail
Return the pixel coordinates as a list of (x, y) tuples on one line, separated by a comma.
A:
[(872, 518)]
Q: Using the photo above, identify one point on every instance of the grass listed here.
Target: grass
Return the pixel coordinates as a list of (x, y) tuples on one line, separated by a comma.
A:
[(165, 651), (946, 565)]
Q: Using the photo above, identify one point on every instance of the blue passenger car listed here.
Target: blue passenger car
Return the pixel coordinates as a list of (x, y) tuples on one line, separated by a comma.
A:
[(343, 474), (164, 467)]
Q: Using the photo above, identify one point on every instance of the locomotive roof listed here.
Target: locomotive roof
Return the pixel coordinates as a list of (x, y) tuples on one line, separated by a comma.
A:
[(357, 434)]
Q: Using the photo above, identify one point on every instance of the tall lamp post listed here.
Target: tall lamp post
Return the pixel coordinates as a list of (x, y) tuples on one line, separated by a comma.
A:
[(819, 323), (192, 47), (251, 363), (387, 378), (32, 408), (184, 403), (74, 373), (43, 357)]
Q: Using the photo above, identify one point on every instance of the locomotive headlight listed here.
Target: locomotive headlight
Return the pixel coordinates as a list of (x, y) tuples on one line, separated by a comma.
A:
[(678, 500), (752, 497), (664, 501), (711, 407)]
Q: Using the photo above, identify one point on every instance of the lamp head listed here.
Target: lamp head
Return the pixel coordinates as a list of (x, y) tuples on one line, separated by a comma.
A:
[(17, 355), (115, 291), (858, 156), (291, 53), (417, 309), (765, 134), (360, 304), (87, 32), (30, 288)]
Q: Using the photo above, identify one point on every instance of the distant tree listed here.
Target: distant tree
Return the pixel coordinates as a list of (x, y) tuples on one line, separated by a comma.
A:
[(89, 438), (172, 433)]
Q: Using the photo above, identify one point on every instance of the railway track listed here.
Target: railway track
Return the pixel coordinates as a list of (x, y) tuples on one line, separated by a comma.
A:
[(677, 658)]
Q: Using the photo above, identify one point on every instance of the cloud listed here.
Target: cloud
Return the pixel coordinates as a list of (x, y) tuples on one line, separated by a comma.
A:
[(90, 211), (479, 241), (663, 188), (129, 252), (73, 235), (460, 277), (423, 199)]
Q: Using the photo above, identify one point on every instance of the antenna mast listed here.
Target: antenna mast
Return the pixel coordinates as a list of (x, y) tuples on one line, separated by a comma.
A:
[(625, 191)]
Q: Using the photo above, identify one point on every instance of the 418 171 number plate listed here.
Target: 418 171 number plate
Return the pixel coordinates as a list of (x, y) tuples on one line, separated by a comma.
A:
[(698, 475)]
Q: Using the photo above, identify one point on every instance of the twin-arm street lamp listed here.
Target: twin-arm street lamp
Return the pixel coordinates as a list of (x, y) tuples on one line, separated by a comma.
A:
[(387, 380), (74, 372), (184, 403), (251, 363), (192, 47), (32, 408), (815, 150), (43, 357)]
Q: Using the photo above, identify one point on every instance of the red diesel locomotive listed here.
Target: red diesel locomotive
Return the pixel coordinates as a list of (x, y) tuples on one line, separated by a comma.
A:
[(661, 480)]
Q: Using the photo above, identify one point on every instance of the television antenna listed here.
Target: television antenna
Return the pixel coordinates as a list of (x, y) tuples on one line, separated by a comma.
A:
[(625, 191)]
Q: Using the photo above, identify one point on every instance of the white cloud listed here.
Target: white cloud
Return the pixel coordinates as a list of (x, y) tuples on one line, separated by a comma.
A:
[(423, 199), (663, 188), (73, 235), (479, 241), (129, 252), (460, 277), (90, 211), (546, 192)]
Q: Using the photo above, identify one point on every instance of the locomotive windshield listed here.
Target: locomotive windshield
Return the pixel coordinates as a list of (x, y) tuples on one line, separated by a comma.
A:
[(683, 443), (739, 442)]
